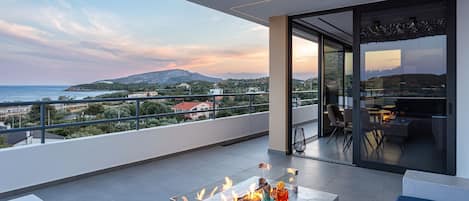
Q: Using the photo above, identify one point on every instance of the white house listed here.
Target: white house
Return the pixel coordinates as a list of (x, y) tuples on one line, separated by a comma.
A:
[(194, 106)]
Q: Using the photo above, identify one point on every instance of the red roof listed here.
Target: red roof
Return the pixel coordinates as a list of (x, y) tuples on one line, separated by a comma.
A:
[(186, 105)]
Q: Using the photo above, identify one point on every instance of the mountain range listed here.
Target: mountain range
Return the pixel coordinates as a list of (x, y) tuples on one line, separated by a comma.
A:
[(163, 77)]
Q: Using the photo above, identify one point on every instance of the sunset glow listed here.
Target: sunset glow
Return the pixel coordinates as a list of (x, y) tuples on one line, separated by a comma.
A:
[(382, 60), (305, 58), (71, 42)]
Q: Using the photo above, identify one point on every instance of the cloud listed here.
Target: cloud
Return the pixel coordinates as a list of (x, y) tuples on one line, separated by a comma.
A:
[(22, 32), (91, 39), (100, 47), (258, 28)]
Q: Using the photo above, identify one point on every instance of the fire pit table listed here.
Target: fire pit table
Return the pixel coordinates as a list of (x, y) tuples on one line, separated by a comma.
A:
[(229, 190)]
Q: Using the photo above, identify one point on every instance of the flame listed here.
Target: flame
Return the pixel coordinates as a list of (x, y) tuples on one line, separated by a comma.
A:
[(387, 117), (228, 184), (292, 171), (223, 197), (252, 187), (214, 191), (234, 195), (200, 195), (253, 193)]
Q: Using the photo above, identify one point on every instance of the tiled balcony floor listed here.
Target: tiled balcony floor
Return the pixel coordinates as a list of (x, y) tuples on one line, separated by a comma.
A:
[(158, 180)]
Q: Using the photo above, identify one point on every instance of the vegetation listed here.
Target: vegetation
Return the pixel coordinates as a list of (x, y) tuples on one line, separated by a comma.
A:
[(149, 107), (35, 113), (242, 85), (3, 143), (114, 87), (122, 109), (94, 109), (122, 94)]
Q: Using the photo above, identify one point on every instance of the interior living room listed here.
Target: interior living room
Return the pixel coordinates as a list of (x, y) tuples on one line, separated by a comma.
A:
[(366, 101)]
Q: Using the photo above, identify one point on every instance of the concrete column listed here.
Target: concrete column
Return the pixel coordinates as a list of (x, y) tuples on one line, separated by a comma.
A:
[(278, 66)]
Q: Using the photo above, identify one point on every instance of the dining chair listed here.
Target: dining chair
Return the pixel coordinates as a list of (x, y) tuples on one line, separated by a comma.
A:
[(347, 129), (366, 127), (336, 120)]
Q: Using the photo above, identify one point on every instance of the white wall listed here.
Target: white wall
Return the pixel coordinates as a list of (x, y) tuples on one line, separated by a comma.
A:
[(35, 164), (462, 125)]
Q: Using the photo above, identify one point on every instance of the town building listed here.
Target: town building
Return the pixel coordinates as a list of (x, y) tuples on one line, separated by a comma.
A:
[(204, 107), (143, 94)]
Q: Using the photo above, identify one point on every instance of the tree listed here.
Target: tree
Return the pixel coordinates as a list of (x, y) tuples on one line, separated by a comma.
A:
[(149, 107), (168, 121), (152, 123), (86, 131), (12, 121), (94, 109), (35, 114), (224, 113), (116, 112), (3, 143)]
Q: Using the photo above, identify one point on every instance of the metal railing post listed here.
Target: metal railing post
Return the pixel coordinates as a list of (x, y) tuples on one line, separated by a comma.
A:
[(137, 114), (251, 97), (44, 124), (213, 107), (42, 113)]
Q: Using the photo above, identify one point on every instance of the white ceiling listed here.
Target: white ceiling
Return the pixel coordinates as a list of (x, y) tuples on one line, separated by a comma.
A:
[(339, 25), (259, 11)]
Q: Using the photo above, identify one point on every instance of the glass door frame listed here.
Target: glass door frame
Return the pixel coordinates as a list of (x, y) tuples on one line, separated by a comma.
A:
[(451, 80), (450, 89), (292, 25), (321, 69)]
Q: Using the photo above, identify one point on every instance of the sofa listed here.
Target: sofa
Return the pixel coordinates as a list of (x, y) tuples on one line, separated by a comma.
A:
[(424, 186)]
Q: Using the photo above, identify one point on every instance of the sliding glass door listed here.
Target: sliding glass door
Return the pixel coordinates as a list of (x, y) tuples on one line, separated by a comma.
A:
[(304, 87), (322, 69), (336, 93), (404, 88), (399, 79)]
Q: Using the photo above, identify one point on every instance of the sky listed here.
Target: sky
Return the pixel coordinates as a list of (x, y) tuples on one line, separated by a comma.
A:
[(304, 58), (55, 42)]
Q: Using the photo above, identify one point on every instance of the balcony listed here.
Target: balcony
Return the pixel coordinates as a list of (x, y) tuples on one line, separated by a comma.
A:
[(150, 163), (186, 172), (98, 152)]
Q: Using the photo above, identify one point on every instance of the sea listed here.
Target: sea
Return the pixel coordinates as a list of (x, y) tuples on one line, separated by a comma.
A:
[(35, 93)]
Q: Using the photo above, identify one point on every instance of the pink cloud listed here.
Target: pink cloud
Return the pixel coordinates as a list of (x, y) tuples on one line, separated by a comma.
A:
[(99, 44)]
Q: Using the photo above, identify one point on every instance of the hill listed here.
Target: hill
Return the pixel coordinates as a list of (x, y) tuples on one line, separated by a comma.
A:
[(164, 77)]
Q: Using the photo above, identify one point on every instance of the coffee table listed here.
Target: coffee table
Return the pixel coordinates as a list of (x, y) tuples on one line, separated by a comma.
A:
[(303, 194), (241, 186)]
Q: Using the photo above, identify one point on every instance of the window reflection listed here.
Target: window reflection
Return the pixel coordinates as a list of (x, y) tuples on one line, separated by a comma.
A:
[(403, 101)]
